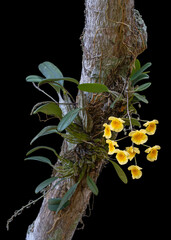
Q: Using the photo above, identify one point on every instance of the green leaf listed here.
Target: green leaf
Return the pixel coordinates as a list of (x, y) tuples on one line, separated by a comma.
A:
[(50, 80), (53, 204), (120, 172), (45, 131), (50, 108), (136, 67), (83, 172), (93, 87), (41, 147), (57, 86), (134, 122), (44, 184), (92, 185), (50, 71), (141, 70), (67, 197), (34, 78), (143, 87), (68, 119), (142, 76), (39, 159), (141, 98), (54, 201)]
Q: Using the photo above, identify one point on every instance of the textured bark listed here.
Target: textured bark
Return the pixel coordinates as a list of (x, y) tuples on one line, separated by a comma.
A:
[(114, 35)]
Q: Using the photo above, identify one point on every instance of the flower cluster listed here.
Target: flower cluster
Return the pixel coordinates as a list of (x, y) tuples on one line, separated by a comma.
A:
[(138, 137)]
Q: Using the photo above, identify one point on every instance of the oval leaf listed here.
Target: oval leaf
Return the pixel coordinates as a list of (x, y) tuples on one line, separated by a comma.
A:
[(141, 77), (44, 184), (93, 87), (68, 119), (142, 98), (45, 131), (137, 66), (67, 197), (141, 70), (39, 159), (91, 184), (134, 122), (143, 87), (50, 108), (49, 70), (53, 204), (34, 78), (120, 172)]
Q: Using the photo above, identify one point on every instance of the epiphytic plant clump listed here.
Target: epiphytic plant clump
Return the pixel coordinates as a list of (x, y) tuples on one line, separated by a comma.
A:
[(91, 147)]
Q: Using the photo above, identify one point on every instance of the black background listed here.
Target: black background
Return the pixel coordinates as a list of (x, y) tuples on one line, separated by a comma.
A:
[(50, 31)]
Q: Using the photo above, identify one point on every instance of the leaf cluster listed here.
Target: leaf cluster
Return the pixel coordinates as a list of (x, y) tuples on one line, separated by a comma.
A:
[(68, 127), (138, 74)]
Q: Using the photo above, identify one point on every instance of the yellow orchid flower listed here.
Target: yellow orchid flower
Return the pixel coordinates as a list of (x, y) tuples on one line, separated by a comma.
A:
[(152, 153), (107, 131), (121, 156), (135, 171), (138, 136), (112, 145), (151, 127), (132, 152), (116, 124)]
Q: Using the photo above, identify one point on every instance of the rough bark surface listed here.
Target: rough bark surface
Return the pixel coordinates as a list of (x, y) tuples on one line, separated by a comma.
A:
[(114, 35)]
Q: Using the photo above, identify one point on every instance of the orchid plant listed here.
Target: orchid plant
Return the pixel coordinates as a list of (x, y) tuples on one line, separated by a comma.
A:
[(104, 144)]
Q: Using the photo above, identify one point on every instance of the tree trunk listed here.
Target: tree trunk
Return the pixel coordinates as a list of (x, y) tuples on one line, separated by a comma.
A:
[(114, 35)]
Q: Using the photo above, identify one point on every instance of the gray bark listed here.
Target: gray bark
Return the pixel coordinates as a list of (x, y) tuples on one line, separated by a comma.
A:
[(114, 35)]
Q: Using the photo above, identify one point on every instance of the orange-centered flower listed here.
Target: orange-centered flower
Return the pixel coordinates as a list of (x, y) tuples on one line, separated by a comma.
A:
[(132, 152), (135, 171), (151, 127), (112, 145), (107, 131), (121, 156), (152, 153), (116, 124), (138, 136)]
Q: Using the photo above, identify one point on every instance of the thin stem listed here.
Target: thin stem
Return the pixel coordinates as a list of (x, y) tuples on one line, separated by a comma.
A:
[(136, 161), (74, 103), (140, 120), (70, 95), (44, 93), (146, 145), (128, 111), (121, 139)]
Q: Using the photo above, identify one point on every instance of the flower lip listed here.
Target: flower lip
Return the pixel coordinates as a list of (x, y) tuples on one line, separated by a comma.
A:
[(121, 156), (152, 153), (116, 124), (139, 136), (151, 126), (132, 152), (112, 145), (135, 171), (107, 131)]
